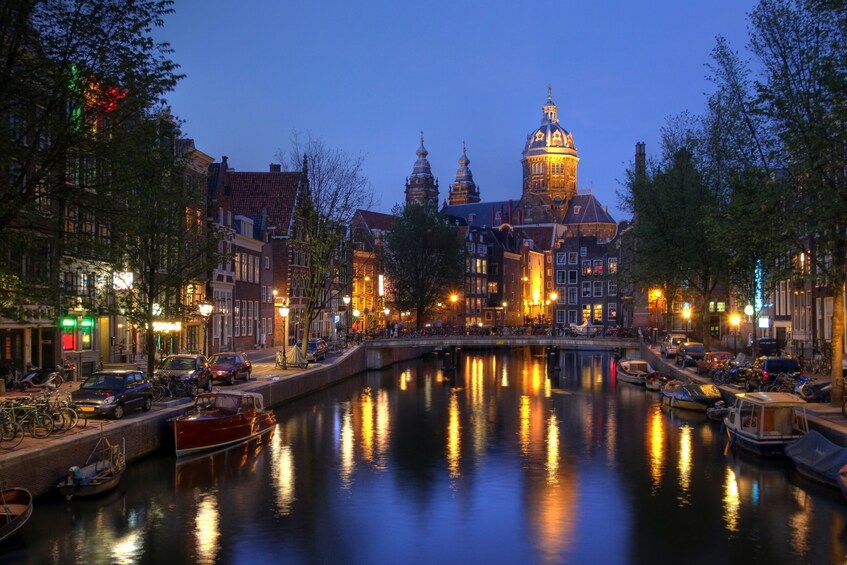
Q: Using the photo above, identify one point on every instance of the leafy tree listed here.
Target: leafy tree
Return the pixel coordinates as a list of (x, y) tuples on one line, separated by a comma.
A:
[(159, 230), (324, 208), (424, 257), (72, 72)]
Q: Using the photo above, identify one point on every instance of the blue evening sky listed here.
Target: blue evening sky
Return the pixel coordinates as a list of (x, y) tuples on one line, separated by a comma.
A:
[(368, 76)]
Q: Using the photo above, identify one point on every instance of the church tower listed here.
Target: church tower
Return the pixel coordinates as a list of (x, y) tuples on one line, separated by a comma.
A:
[(421, 186), (463, 190), (550, 159)]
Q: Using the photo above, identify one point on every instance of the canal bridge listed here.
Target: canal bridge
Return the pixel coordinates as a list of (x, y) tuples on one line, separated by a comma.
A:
[(382, 352)]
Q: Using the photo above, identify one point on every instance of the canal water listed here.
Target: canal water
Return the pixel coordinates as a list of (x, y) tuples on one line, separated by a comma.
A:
[(499, 461)]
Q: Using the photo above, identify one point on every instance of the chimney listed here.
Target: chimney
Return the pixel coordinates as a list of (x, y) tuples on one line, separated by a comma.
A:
[(640, 160), (276, 168)]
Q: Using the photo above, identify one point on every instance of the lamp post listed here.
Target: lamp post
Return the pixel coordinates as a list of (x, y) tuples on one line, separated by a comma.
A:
[(553, 297), (453, 298), (205, 311), (735, 320), (346, 300), (686, 314), (283, 311), (387, 311), (749, 311)]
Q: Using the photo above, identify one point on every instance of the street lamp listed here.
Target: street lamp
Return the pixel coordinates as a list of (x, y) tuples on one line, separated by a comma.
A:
[(453, 298), (686, 313), (283, 311), (205, 311), (346, 300), (553, 297), (735, 320)]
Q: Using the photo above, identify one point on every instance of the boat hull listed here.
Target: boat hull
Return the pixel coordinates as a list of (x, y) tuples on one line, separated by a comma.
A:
[(220, 420), (90, 485), (764, 423), (15, 510)]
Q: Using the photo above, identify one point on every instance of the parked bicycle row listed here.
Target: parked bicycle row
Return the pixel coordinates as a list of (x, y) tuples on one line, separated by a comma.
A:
[(37, 415)]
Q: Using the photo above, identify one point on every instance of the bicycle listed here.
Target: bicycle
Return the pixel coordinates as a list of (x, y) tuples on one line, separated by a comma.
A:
[(11, 433), (281, 361)]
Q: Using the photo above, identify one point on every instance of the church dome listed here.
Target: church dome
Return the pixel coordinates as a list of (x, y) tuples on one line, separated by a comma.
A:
[(549, 135)]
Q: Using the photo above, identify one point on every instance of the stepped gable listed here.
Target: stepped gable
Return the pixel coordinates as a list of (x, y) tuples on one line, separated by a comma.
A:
[(269, 194)]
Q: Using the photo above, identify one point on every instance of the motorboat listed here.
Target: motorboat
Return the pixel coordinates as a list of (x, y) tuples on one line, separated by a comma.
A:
[(633, 371), (817, 458), (100, 473), (689, 396), (219, 420), (656, 380), (764, 422), (15, 510)]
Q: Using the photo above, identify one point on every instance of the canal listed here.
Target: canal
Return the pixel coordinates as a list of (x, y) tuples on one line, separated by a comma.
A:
[(499, 461)]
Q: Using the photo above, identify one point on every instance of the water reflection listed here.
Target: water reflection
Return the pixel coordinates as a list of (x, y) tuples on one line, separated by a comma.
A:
[(500, 461)]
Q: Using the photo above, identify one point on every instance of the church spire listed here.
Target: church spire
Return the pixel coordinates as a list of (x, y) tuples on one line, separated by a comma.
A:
[(464, 190), (550, 110), (421, 186)]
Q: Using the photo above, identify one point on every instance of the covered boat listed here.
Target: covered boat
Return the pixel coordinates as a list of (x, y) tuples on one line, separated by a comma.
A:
[(689, 396), (817, 458), (100, 473), (219, 420), (633, 371), (764, 422), (15, 510)]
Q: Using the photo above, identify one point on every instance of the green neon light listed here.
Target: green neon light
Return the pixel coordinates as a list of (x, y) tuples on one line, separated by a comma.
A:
[(68, 322), (87, 322)]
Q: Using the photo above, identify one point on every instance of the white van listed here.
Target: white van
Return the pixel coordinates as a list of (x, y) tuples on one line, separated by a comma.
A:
[(670, 344)]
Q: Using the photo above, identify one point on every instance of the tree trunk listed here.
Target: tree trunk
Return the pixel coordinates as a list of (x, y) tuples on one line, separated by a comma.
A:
[(837, 348)]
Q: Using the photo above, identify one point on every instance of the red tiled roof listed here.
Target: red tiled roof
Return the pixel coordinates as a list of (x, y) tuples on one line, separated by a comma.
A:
[(260, 194), (377, 220)]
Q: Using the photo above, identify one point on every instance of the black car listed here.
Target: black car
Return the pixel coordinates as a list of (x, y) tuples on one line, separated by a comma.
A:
[(316, 350), (187, 367), (112, 393), (689, 352), (765, 368)]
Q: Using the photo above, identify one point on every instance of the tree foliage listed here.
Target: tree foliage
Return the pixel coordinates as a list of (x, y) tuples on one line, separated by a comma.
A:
[(424, 257), (72, 74)]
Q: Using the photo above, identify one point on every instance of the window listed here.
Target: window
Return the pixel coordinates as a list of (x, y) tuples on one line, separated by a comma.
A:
[(572, 295), (583, 251), (598, 266), (560, 316), (613, 312), (586, 267), (560, 277), (267, 262), (598, 288), (492, 287), (572, 258), (571, 316), (613, 288), (586, 289), (572, 277), (586, 311), (598, 313), (613, 265), (561, 259)]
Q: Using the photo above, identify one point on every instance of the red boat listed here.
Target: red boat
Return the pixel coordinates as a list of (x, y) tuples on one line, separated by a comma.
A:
[(221, 419)]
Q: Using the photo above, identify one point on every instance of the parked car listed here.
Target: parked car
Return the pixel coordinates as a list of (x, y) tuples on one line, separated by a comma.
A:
[(670, 344), (689, 352), (765, 368), (112, 393), (712, 361), (316, 350), (229, 366), (187, 367)]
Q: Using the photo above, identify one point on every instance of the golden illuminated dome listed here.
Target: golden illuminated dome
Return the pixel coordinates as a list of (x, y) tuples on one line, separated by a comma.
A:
[(550, 137)]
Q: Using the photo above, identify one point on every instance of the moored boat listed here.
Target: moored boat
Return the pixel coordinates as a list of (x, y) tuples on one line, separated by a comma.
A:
[(764, 422), (221, 419), (817, 458), (15, 510), (656, 380), (100, 473), (689, 396), (633, 371)]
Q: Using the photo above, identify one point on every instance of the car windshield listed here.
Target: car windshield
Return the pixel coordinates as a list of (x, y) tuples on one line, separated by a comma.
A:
[(694, 349), (222, 359), (178, 363), (103, 382), (783, 366)]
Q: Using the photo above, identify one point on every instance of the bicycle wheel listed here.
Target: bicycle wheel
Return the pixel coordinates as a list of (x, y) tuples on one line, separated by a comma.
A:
[(41, 425), (70, 416), (12, 436)]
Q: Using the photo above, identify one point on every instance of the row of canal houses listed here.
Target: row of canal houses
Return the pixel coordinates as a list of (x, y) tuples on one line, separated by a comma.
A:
[(552, 257)]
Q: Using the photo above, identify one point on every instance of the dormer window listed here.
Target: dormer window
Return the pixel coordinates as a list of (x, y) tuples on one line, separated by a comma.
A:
[(576, 209)]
